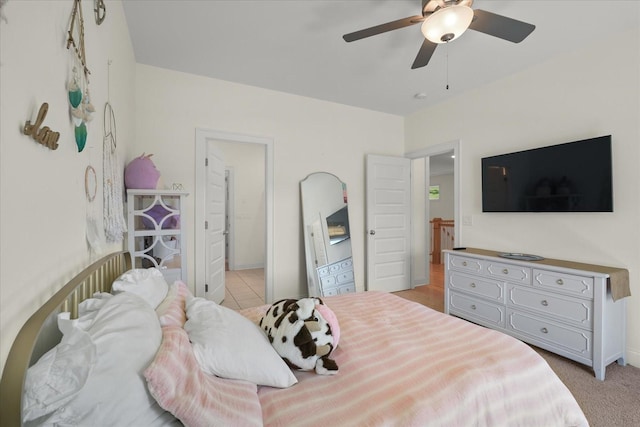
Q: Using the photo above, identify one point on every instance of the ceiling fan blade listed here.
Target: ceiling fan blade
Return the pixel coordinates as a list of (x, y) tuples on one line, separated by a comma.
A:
[(383, 28), (424, 54), (500, 26)]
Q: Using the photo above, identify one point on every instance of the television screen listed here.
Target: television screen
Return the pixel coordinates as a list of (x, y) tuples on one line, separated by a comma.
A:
[(338, 226), (571, 177)]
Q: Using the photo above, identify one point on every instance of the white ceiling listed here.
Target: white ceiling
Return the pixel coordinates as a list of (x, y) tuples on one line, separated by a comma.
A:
[(296, 46)]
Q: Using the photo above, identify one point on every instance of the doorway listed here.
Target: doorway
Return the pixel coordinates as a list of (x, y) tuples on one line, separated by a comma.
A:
[(436, 160), (205, 141)]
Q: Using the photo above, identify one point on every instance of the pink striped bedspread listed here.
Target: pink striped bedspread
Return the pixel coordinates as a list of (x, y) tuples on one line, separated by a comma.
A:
[(404, 364)]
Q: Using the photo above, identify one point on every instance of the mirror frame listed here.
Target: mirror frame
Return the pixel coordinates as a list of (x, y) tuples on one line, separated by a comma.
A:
[(321, 203)]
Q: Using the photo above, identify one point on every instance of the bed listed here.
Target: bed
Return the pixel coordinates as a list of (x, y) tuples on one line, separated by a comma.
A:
[(400, 364)]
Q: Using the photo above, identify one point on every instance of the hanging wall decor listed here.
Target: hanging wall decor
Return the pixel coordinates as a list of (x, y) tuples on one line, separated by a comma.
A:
[(2, 17), (78, 86), (100, 10), (44, 135), (114, 223)]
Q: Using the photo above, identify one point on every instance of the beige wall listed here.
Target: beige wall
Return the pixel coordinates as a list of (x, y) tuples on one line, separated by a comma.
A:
[(247, 162), (308, 136), (43, 204), (587, 93), (443, 207)]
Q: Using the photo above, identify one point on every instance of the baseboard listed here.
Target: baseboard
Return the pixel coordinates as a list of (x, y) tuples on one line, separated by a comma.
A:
[(633, 358), (248, 267), (419, 281)]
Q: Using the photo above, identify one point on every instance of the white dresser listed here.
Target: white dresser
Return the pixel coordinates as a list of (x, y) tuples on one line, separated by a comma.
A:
[(337, 278), (557, 305)]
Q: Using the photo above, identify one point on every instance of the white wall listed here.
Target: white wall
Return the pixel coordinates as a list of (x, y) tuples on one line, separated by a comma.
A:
[(309, 136), (43, 204), (248, 164), (587, 93), (443, 207)]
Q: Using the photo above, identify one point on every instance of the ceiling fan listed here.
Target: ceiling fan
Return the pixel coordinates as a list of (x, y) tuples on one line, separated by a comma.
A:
[(444, 21)]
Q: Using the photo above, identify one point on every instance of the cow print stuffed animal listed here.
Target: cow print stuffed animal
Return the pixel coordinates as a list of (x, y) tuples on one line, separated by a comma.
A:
[(302, 335)]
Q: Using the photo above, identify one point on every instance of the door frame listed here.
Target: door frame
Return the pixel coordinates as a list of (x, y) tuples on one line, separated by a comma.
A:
[(201, 138), (427, 152), (230, 222)]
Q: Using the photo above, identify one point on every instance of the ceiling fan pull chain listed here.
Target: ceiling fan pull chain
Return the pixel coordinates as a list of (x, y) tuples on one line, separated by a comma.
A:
[(447, 59)]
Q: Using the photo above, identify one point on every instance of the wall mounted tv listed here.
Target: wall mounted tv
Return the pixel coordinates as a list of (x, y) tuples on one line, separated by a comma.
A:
[(571, 177)]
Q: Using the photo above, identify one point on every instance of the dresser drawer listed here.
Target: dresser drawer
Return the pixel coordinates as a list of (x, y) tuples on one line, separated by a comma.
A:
[(323, 271), (486, 288), (473, 309), (564, 309), (513, 273), (565, 283), (560, 337), (346, 264), (329, 292), (465, 264), (345, 277), (328, 281), (346, 289)]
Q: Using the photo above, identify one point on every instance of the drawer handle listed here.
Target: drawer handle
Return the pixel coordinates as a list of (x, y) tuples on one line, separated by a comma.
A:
[(473, 306), (544, 330), (544, 302), (473, 285), (559, 282), (464, 263), (505, 271)]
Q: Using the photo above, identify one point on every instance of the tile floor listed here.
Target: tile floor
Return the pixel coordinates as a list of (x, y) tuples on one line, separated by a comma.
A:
[(244, 288)]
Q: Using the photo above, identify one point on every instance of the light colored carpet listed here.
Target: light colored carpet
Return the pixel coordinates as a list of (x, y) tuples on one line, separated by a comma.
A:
[(614, 402)]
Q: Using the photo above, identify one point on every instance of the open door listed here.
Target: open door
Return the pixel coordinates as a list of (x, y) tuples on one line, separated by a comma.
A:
[(388, 221), (215, 224)]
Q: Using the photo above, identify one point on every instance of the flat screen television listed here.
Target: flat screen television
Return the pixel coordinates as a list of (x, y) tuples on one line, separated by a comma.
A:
[(338, 226), (571, 177)]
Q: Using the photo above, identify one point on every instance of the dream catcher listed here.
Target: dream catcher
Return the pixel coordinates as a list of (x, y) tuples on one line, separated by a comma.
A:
[(78, 86), (114, 223), (91, 188)]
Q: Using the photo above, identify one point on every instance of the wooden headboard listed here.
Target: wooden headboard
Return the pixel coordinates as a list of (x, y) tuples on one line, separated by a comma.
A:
[(40, 333)]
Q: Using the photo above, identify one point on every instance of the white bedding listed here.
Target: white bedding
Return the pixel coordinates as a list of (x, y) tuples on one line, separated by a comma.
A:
[(403, 364)]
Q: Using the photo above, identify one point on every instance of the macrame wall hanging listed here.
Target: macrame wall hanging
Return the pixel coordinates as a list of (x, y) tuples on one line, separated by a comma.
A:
[(114, 223), (78, 85)]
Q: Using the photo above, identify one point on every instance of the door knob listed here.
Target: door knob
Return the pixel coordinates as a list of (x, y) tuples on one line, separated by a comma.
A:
[(372, 232)]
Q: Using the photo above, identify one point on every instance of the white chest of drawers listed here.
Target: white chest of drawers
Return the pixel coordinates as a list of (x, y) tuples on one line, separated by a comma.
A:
[(564, 310), (337, 278)]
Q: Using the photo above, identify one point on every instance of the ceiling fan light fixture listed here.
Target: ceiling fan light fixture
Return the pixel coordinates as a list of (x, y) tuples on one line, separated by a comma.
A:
[(447, 24)]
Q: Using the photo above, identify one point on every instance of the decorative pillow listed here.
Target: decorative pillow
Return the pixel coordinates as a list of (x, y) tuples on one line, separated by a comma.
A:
[(171, 311), (178, 384), (332, 320), (126, 334), (148, 283), (229, 345), (301, 335)]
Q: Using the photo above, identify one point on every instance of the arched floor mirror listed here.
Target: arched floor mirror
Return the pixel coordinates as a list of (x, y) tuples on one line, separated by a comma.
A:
[(325, 220)]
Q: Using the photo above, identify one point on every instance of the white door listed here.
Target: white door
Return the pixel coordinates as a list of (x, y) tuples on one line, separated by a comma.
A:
[(388, 223), (215, 224)]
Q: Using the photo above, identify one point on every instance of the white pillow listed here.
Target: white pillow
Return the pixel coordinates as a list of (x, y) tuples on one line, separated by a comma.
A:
[(229, 345), (58, 376), (62, 372), (126, 334), (148, 283)]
